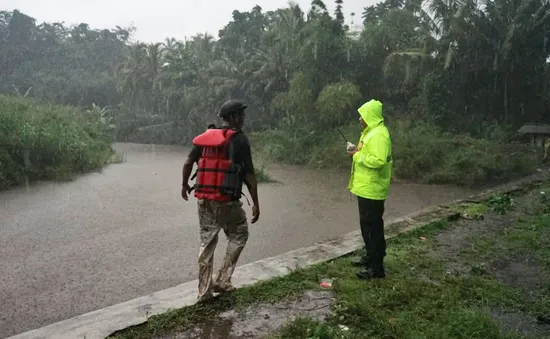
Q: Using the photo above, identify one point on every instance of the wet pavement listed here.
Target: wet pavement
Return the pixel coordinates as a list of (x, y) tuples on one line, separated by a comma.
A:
[(71, 248)]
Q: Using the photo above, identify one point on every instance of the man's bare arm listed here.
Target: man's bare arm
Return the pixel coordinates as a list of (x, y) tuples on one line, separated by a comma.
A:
[(252, 185), (186, 173)]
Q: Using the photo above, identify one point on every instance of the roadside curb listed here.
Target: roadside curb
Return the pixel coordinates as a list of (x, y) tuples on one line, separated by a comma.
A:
[(103, 322)]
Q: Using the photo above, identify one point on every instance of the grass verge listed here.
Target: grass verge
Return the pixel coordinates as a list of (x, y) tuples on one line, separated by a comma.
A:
[(480, 278), (446, 280)]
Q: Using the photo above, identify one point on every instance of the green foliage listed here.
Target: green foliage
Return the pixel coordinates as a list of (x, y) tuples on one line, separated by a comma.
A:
[(306, 146), (434, 97), (426, 153), (471, 211), (66, 65), (303, 72), (40, 141), (287, 146), (336, 102), (296, 104), (422, 152), (501, 203), (445, 61)]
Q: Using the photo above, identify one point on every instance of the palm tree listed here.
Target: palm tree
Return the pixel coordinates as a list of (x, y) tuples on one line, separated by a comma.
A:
[(139, 74), (203, 48), (286, 30)]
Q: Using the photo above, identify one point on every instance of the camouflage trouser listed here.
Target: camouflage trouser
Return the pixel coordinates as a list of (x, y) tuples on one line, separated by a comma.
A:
[(214, 216)]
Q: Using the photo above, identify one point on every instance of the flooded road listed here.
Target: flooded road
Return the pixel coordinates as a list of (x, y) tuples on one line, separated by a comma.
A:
[(71, 248)]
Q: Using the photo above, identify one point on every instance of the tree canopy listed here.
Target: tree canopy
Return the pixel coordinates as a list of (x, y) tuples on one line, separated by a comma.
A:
[(457, 63)]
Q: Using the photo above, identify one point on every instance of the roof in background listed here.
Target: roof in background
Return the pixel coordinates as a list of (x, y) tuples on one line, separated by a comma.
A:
[(535, 129)]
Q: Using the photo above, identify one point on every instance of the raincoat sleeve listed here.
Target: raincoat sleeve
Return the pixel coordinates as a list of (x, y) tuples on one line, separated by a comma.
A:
[(374, 154)]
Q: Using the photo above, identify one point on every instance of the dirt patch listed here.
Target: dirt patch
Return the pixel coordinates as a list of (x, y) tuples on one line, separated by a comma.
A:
[(451, 242), (260, 320), (522, 272), (520, 323)]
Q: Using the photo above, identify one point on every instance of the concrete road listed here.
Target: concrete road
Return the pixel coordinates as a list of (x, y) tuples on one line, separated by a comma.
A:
[(70, 248)]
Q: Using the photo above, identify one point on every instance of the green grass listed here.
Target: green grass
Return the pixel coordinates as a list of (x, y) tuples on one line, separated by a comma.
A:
[(418, 299), (408, 306), (528, 237), (471, 211), (501, 203), (48, 142), (421, 152)]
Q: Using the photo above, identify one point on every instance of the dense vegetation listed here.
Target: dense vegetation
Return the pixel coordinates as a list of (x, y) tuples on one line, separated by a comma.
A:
[(39, 141), (477, 68)]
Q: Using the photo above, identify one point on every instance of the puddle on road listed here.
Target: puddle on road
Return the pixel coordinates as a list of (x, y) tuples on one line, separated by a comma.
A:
[(260, 320)]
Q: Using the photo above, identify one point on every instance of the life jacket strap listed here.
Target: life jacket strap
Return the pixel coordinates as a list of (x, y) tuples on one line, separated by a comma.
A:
[(191, 189)]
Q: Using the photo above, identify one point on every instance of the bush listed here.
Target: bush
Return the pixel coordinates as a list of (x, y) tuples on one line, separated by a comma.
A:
[(335, 102), (425, 153), (50, 142), (293, 106), (302, 146), (422, 153)]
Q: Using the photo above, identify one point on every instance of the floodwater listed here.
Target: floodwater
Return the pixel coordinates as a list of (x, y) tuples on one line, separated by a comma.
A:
[(74, 247)]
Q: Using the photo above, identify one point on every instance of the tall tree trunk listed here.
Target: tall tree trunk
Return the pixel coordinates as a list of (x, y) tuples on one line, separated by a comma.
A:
[(506, 116)]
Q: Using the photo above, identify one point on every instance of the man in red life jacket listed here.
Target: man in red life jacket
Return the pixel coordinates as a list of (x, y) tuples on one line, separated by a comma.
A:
[(224, 162)]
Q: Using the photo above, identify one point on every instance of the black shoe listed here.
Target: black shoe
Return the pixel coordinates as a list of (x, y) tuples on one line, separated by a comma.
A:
[(370, 274), (361, 262)]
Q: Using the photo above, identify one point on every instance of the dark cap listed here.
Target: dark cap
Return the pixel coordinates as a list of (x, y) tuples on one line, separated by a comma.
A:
[(231, 106)]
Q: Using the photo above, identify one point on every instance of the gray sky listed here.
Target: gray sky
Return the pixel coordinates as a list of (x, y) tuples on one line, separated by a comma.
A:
[(158, 19)]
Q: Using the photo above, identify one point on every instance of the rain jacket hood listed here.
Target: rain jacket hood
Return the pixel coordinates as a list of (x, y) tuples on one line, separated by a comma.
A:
[(371, 112)]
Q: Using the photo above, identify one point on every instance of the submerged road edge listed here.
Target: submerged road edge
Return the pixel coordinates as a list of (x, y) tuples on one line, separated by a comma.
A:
[(103, 322)]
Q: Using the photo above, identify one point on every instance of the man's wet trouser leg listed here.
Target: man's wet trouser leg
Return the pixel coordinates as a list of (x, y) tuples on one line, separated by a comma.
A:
[(371, 214), (209, 230), (235, 227)]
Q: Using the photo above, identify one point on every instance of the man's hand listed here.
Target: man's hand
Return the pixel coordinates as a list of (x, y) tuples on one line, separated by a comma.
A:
[(184, 189), (255, 213), (352, 153)]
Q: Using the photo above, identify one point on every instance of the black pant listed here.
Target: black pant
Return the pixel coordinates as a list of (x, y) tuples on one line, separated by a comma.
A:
[(371, 214)]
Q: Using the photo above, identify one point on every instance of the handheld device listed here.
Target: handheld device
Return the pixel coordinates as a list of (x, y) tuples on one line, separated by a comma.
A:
[(342, 134)]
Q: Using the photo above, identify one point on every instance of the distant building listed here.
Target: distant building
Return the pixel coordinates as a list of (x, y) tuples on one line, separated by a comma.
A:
[(540, 136), (538, 133)]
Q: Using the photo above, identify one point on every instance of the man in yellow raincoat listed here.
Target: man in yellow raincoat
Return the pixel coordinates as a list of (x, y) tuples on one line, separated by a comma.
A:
[(370, 180)]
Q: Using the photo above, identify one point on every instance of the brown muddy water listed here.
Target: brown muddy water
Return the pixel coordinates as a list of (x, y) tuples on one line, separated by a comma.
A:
[(74, 247)]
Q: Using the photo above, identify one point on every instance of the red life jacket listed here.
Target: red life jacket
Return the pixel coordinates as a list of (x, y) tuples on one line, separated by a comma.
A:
[(217, 177)]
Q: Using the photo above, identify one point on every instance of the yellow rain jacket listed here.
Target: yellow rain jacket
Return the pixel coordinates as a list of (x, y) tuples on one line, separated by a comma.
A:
[(372, 164)]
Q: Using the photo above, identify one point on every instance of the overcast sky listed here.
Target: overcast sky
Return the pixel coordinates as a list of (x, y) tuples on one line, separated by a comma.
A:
[(158, 19)]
